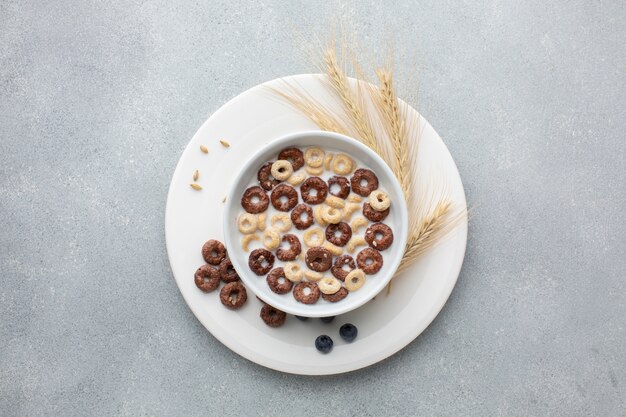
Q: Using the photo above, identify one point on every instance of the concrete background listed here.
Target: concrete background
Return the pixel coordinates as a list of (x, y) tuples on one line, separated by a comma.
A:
[(98, 99)]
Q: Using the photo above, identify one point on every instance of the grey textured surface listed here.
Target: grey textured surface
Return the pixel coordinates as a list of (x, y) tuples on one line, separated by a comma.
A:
[(98, 100)]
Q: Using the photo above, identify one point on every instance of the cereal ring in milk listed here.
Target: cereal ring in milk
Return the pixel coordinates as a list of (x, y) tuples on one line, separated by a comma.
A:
[(342, 164), (293, 155), (329, 285), (314, 157), (333, 249), (317, 215), (281, 222), (355, 198), (355, 242), (358, 223), (245, 241), (350, 210), (312, 275), (314, 171), (335, 202), (379, 200), (373, 215), (281, 169), (314, 237), (296, 179), (293, 271), (327, 161), (331, 215), (339, 186), (355, 280), (271, 239), (247, 223), (260, 221)]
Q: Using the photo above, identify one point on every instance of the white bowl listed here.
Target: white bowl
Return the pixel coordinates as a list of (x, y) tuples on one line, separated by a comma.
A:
[(397, 220)]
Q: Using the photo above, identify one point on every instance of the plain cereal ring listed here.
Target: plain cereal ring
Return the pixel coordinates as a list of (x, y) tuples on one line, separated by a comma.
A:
[(314, 237), (312, 275), (271, 239), (245, 241), (338, 234), (342, 164), (354, 242), (255, 200), (334, 249), (355, 280), (354, 198), (314, 171), (358, 223), (318, 259), (261, 261), (300, 293), (339, 186), (317, 215), (369, 260), (293, 155), (247, 223), (329, 285), (272, 316), (338, 296), (314, 157), (281, 192), (260, 221), (296, 179), (344, 264), (327, 161), (227, 271), (294, 248), (281, 222), (335, 202), (293, 271), (233, 295), (317, 184), (363, 182), (379, 200), (266, 181), (213, 252), (274, 281), (373, 215), (281, 170), (331, 215), (302, 216), (207, 278), (350, 210), (379, 236)]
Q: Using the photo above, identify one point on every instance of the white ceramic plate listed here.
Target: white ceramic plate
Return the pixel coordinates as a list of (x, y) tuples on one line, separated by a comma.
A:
[(397, 220), (386, 324)]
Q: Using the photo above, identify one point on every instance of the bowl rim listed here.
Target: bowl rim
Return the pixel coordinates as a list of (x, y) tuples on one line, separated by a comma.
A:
[(400, 236)]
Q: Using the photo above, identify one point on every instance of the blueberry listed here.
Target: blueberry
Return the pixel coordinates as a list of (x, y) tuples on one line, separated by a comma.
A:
[(302, 318), (348, 332), (327, 319), (324, 343)]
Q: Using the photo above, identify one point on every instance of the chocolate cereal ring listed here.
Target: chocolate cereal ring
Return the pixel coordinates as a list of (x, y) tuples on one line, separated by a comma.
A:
[(207, 278), (300, 295), (255, 200), (338, 296), (261, 261), (227, 271), (284, 197), (339, 186), (293, 155), (338, 234), (318, 259), (317, 184), (213, 252), (344, 264), (265, 177), (272, 316), (369, 260), (294, 248), (302, 216), (373, 215), (274, 281), (363, 182), (379, 236), (281, 170), (314, 157), (233, 295)]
